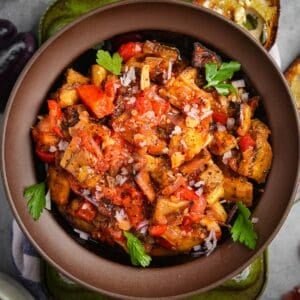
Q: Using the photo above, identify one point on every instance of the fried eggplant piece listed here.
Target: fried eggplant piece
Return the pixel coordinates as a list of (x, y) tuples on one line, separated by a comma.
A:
[(202, 55)]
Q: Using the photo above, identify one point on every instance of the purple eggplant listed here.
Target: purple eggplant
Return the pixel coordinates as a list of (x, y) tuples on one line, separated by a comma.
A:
[(8, 32), (12, 60)]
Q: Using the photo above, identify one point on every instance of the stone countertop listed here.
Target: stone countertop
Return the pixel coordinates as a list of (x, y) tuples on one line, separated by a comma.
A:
[(284, 251)]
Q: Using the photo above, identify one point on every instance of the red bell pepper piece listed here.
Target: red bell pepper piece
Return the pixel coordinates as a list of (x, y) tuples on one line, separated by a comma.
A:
[(129, 50), (157, 230), (246, 142), (47, 157), (87, 211), (219, 117), (185, 193), (146, 102), (96, 100)]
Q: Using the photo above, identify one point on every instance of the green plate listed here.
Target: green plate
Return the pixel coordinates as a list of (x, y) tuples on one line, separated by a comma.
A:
[(248, 285), (62, 12)]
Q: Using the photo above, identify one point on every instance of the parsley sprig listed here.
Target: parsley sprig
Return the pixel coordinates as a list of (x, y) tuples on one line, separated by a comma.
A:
[(216, 76), (35, 195), (242, 229), (137, 251), (112, 64)]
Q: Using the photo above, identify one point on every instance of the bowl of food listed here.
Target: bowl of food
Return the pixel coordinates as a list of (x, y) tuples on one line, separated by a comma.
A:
[(160, 145)]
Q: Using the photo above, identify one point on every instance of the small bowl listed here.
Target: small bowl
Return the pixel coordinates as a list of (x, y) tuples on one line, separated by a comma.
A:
[(18, 168)]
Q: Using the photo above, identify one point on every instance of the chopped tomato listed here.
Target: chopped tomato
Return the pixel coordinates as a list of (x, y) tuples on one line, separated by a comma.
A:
[(54, 110), (133, 203), (100, 103), (185, 193), (197, 209), (219, 117), (246, 142), (142, 103), (58, 131), (160, 107), (87, 211), (47, 157), (148, 100), (129, 50), (157, 230)]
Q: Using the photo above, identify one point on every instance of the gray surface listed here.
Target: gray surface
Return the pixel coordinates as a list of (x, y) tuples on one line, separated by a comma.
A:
[(284, 251)]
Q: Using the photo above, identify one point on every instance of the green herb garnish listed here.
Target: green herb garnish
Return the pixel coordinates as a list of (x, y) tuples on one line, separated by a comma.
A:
[(242, 230), (216, 77), (110, 63), (35, 195), (137, 251)]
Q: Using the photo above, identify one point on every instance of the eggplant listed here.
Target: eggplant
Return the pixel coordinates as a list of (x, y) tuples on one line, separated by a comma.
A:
[(8, 32), (12, 60), (202, 55)]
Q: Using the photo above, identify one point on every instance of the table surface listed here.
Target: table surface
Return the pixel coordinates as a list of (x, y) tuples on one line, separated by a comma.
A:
[(284, 251)]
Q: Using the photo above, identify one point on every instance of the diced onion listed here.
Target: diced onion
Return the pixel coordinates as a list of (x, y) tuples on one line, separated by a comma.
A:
[(239, 83), (230, 123), (48, 200), (62, 145), (245, 97), (83, 235), (169, 74), (226, 156), (221, 127), (128, 77)]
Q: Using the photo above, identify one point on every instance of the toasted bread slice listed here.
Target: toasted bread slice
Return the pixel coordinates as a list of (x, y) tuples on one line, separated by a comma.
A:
[(259, 17), (292, 75)]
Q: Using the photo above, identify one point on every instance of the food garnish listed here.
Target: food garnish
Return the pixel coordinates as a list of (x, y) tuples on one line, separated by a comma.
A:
[(216, 76), (137, 251), (35, 195), (110, 63), (242, 230)]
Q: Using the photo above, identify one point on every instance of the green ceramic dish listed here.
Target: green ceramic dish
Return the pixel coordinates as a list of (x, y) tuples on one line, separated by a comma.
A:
[(247, 285)]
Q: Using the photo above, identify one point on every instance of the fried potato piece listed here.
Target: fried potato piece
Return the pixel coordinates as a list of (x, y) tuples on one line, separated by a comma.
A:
[(213, 179), (186, 143), (98, 74), (59, 185), (183, 89), (238, 189), (183, 242), (222, 142), (73, 77), (217, 211), (256, 162), (245, 119), (166, 207)]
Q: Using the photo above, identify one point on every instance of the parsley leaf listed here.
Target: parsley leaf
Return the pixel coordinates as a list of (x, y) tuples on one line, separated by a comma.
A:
[(136, 250), (224, 88), (215, 77), (35, 195), (242, 229), (111, 63)]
